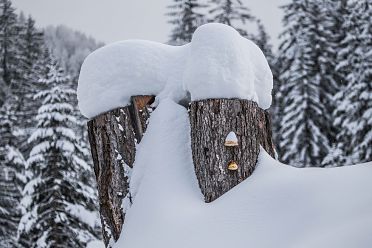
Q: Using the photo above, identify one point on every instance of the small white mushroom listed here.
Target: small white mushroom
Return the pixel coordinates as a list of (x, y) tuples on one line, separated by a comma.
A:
[(231, 139)]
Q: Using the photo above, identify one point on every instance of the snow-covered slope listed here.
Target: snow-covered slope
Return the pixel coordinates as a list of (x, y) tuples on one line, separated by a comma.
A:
[(218, 63), (95, 244), (278, 206)]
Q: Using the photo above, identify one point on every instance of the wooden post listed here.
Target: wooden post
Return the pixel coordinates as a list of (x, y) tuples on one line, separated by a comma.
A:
[(113, 136), (211, 121)]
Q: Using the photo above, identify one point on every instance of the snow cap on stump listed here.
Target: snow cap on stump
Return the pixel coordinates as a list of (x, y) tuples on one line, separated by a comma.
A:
[(223, 64), (218, 63)]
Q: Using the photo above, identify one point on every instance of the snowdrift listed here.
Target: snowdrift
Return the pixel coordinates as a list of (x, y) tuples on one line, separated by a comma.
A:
[(278, 206), (218, 63)]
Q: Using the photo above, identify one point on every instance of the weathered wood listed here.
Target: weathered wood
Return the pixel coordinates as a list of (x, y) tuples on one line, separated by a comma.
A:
[(113, 136), (140, 113), (211, 120)]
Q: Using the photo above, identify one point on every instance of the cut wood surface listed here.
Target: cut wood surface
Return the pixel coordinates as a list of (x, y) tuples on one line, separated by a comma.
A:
[(211, 121)]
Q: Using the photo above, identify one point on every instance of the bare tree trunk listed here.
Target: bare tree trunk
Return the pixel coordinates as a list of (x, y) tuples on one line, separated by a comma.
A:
[(211, 121), (113, 136)]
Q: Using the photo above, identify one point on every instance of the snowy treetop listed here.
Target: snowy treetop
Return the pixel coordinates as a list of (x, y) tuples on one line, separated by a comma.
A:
[(217, 63)]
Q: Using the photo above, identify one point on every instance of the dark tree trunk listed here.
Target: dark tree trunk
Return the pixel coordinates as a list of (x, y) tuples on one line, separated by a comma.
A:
[(113, 136), (211, 121)]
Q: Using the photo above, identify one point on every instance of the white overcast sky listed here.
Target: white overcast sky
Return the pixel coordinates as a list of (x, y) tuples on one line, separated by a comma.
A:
[(113, 20)]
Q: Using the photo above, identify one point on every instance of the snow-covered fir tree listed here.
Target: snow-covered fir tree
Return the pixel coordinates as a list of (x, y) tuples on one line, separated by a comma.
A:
[(304, 129), (60, 209), (30, 48), (12, 165), (330, 16), (186, 17), (336, 14), (31, 45), (232, 13), (9, 53), (353, 114)]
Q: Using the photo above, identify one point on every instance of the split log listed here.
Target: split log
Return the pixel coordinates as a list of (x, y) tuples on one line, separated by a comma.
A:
[(211, 121), (113, 136)]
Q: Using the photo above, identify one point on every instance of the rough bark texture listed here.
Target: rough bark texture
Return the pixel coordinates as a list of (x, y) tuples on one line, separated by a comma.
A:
[(113, 136), (211, 120)]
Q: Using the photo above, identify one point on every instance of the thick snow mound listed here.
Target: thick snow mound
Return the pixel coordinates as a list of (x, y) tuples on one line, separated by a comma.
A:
[(218, 63), (277, 207), (111, 75), (223, 64)]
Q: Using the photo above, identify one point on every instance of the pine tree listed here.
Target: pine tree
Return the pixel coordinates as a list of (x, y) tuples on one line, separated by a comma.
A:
[(30, 49), (304, 128), (12, 166), (331, 15), (186, 18), (9, 61), (336, 15), (232, 13), (31, 44), (59, 197), (353, 115)]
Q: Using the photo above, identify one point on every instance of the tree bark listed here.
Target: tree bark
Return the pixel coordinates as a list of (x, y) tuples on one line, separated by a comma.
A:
[(113, 136), (211, 120)]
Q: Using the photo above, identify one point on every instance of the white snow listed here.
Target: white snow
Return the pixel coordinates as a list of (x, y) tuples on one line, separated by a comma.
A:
[(223, 64), (96, 244), (218, 63), (89, 217), (112, 74), (277, 207)]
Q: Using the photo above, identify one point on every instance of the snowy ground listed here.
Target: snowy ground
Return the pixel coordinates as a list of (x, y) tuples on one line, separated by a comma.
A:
[(278, 206), (96, 244)]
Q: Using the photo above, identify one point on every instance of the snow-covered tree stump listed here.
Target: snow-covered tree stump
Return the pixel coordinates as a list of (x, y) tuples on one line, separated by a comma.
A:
[(113, 136), (215, 163)]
